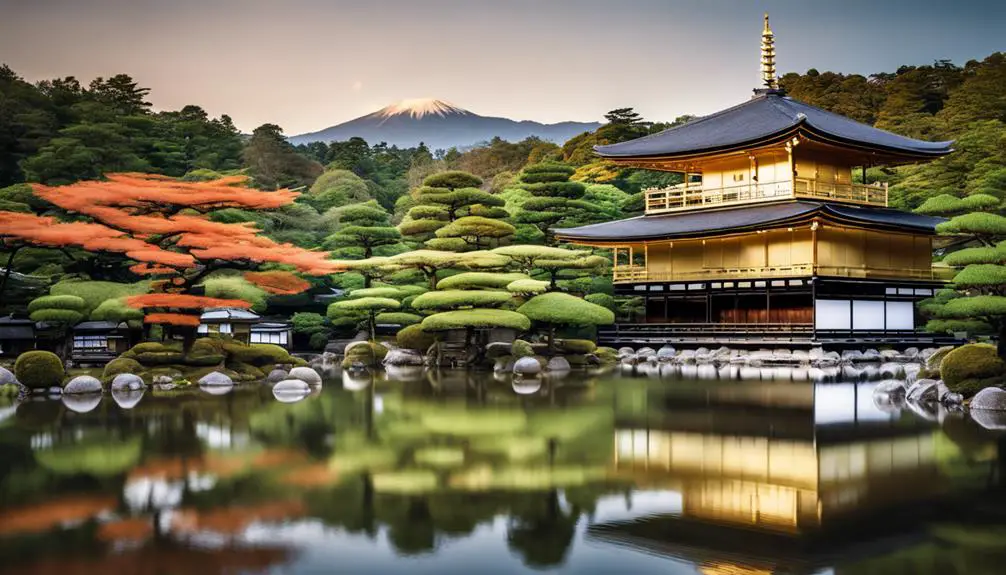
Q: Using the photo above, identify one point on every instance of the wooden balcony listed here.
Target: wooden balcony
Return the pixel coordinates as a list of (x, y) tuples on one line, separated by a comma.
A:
[(636, 273), (692, 197)]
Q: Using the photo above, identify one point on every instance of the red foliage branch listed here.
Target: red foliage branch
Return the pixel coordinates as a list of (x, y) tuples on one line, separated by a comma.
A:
[(278, 282), (182, 301), (179, 319)]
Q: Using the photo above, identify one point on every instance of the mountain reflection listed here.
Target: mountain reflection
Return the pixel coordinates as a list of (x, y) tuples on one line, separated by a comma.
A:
[(729, 477)]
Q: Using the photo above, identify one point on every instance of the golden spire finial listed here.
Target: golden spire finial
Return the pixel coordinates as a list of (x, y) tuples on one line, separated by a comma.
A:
[(768, 57)]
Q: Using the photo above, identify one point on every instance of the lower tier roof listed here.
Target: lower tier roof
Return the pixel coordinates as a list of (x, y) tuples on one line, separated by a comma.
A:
[(747, 218)]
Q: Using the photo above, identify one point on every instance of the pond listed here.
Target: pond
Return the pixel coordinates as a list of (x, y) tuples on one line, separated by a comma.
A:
[(453, 472)]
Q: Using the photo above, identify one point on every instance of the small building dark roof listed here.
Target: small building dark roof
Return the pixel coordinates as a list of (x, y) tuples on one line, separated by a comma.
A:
[(272, 325), (746, 218), (12, 328), (98, 326), (767, 116)]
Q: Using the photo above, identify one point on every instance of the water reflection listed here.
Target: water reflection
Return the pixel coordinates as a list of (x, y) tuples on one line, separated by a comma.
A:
[(472, 472)]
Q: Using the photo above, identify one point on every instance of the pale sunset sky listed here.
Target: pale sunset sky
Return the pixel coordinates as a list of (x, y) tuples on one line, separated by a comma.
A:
[(309, 64)]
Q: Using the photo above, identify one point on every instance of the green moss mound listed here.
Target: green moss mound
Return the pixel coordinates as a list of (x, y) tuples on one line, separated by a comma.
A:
[(479, 280), (245, 371), (454, 299), (521, 348), (580, 346), (121, 365), (160, 357), (607, 354), (564, 309), (257, 353), (413, 337), (39, 369), (370, 355), (969, 368)]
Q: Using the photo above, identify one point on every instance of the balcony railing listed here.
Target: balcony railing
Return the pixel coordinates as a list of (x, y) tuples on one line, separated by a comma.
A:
[(681, 197), (635, 273)]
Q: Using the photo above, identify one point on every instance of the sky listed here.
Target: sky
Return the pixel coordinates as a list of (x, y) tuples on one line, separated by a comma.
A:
[(310, 64)]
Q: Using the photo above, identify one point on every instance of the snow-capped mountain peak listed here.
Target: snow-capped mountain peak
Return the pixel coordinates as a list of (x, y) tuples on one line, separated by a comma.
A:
[(421, 107)]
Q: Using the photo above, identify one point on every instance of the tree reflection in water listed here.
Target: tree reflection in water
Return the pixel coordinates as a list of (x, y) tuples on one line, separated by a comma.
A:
[(439, 457)]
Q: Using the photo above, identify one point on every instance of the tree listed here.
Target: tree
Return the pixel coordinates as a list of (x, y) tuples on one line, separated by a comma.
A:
[(161, 224), (361, 229), (431, 262), (370, 306), (336, 188), (471, 233), (556, 201), (274, 163), (444, 198), (559, 309), (979, 288)]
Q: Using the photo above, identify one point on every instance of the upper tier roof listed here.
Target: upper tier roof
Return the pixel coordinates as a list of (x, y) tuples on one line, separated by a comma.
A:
[(770, 114), (746, 218)]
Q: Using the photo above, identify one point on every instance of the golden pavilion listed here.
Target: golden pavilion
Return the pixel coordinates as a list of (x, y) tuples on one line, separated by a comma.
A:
[(769, 237)]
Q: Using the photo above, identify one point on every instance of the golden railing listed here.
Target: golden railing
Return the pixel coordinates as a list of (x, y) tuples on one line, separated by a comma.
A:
[(641, 274), (681, 197)]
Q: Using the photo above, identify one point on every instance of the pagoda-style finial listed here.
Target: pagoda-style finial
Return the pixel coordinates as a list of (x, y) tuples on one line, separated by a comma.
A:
[(768, 57)]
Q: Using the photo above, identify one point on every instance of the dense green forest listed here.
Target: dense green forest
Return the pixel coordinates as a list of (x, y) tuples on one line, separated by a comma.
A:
[(59, 131)]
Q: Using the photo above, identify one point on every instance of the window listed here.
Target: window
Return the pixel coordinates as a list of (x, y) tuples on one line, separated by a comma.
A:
[(900, 315), (868, 315), (832, 314), (274, 337), (90, 342)]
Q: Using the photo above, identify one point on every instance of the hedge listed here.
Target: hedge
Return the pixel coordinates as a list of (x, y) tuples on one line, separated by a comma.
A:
[(413, 337), (564, 309), (39, 369), (398, 318), (479, 280)]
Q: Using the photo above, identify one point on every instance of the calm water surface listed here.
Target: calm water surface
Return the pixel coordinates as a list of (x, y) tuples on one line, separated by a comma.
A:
[(457, 473)]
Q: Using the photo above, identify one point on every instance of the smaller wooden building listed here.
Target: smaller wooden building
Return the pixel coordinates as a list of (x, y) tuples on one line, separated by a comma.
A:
[(275, 331), (99, 341), (16, 336), (234, 322)]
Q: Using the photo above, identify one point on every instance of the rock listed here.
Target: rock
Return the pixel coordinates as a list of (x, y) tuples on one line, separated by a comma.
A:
[(214, 379), (526, 385), (645, 351), (498, 349), (910, 353), (527, 366), (405, 373), (6, 377), (81, 403), (277, 375), (801, 356), (702, 352), (890, 354), (127, 398), (308, 375), (405, 357), (891, 370), (852, 355), (891, 387), (626, 351), (127, 382), (295, 386), (666, 353), (924, 391), (162, 380), (934, 357), (686, 356), (989, 419), (990, 398), (355, 343), (720, 354), (850, 373), (889, 402), (55, 390), (558, 363), (947, 397), (871, 355), (165, 386), (82, 384), (782, 353), (816, 353)]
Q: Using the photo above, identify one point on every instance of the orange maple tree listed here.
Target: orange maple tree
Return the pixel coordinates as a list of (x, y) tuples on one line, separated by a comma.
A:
[(163, 225)]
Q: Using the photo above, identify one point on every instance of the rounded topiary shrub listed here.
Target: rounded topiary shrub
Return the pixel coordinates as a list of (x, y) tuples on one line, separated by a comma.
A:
[(121, 365), (257, 353), (413, 337), (369, 354), (39, 369), (972, 367)]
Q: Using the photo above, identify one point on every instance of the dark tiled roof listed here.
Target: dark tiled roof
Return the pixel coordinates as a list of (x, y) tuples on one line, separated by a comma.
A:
[(746, 218), (761, 118)]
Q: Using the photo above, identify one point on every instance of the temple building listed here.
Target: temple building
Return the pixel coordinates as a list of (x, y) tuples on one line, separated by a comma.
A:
[(770, 236)]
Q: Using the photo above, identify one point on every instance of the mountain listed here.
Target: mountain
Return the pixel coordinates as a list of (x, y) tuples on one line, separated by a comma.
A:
[(440, 124)]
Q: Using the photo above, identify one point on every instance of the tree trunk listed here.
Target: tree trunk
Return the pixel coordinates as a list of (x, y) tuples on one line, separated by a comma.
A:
[(7, 270), (373, 325), (1001, 345), (551, 340)]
